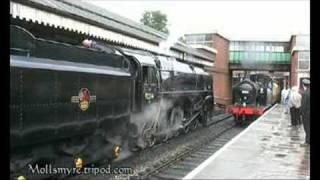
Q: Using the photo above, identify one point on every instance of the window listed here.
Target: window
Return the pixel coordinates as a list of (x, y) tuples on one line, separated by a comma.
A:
[(304, 61), (260, 47), (209, 44), (145, 74), (202, 39), (208, 37), (236, 46), (149, 75), (303, 41), (152, 75), (231, 46), (242, 46), (268, 48), (251, 47)]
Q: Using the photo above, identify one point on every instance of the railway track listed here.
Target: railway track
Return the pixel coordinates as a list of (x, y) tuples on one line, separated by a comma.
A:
[(176, 164), (183, 163)]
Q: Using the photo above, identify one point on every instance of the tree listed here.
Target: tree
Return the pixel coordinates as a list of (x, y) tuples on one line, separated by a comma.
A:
[(156, 20)]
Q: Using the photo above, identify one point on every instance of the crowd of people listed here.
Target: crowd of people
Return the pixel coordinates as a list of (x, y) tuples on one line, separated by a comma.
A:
[(297, 103)]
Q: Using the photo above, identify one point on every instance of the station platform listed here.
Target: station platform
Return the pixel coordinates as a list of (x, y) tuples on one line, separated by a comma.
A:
[(268, 149)]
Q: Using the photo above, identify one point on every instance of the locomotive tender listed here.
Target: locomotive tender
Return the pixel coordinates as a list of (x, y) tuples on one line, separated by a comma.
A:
[(69, 102)]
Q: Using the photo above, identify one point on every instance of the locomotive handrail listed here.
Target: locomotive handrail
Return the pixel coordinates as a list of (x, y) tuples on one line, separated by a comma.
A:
[(44, 63)]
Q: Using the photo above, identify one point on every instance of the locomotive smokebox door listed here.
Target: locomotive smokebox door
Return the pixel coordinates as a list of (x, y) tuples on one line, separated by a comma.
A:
[(150, 77)]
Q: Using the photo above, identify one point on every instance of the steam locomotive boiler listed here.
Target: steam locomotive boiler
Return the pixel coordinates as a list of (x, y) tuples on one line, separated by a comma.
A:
[(72, 103)]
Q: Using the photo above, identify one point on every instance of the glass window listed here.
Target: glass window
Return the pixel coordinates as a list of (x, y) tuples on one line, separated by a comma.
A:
[(145, 74), (262, 56), (304, 60), (209, 44), (303, 41), (236, 46), (281, 49), (251, 47), (237, 56), (303, 65), (256, 46), (259, 47), (231, 46), (268, 48), (241, 46), (258, 56), (251, 56), (242, 56), (201, 38), (246, 55), (304, 56), (231, 56), (267, 56), (208, 37), (152, 75)]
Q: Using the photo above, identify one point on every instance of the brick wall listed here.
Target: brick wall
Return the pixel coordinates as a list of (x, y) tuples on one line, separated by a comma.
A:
[(294, 69), (221, 72), (294, 64)]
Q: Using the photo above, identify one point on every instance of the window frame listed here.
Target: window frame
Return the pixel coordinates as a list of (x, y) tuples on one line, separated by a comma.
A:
[(303, 60)]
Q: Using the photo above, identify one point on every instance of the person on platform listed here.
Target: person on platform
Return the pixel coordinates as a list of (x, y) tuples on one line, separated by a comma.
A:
[(305, 109), (286, 96), (284, 93), (294, 104)]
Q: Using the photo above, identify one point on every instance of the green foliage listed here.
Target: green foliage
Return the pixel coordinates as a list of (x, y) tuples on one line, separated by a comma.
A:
[(156, 20)]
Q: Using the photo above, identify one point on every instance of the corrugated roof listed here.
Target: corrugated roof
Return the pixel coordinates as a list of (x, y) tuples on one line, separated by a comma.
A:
[(91, 14)]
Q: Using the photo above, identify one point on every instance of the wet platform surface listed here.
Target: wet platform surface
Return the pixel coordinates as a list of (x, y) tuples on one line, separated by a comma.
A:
[(268, 149)]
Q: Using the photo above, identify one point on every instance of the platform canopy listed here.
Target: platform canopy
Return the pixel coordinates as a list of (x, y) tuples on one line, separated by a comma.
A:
[(84, 18)]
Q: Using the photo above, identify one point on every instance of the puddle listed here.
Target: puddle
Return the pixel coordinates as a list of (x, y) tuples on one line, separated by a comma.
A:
[(280, 155), (276, 133)]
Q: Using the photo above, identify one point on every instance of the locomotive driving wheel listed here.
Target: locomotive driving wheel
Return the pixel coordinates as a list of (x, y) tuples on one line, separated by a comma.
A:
[(176, 120), (147, 135)]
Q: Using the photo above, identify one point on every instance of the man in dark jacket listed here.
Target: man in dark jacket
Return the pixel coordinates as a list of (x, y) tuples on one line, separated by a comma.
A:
[(305, 109)]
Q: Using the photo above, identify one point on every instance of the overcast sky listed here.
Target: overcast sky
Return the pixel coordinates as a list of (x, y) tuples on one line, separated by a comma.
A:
[(251, 20)]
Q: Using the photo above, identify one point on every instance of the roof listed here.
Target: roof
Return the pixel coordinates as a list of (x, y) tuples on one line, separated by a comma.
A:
[(76, 15), (209, 49), (143, 57)]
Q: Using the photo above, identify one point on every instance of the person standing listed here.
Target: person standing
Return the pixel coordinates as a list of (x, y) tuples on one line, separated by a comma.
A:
[(305, 109), (287, 93), (283, 94), (294, 104)]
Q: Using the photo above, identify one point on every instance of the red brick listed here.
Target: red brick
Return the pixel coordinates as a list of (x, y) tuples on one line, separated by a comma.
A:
[(221, 71)]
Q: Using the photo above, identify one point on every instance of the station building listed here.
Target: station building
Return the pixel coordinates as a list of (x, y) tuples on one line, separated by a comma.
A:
[(289, 60), (73, 21)]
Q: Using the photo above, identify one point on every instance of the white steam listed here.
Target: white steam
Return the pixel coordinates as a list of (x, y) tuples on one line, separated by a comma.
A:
[(175, 33)]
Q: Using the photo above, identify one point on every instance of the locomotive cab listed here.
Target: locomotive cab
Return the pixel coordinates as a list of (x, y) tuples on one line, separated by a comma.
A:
[(147, 81)]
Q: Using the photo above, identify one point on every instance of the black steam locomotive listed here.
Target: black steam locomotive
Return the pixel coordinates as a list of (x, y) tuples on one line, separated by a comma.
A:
[(72, 103), (252, 97)]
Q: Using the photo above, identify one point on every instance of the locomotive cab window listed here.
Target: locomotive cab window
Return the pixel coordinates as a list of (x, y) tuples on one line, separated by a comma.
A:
[(145, 74), (152, 75), (149, 75)]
